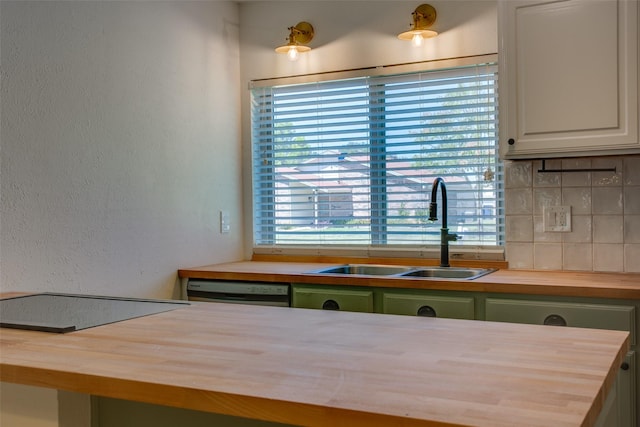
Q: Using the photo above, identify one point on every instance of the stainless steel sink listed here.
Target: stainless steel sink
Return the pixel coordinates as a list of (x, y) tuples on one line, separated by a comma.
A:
[(366, 269), (448, 272), (406, 271)]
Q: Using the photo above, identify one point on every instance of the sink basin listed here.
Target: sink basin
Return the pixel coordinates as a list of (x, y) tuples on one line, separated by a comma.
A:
[(406, 271), (366, 269), (448, 272)]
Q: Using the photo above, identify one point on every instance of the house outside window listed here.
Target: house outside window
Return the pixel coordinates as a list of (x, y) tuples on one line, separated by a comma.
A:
[(351, 161)]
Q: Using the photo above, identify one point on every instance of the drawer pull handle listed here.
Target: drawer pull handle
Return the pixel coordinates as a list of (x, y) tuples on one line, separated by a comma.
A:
[(624, 366), (511, 141), (555, 320), (427, 311), (330, 305)]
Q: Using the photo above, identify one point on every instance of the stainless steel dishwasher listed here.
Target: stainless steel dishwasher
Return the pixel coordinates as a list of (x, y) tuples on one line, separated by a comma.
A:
[(238, 292)]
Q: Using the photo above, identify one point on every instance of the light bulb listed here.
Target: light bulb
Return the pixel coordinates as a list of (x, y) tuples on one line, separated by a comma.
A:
[(292, 54), (417, 40)]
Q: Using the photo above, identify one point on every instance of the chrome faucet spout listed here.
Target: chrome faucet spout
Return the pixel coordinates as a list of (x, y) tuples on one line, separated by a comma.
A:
[(445, 236)]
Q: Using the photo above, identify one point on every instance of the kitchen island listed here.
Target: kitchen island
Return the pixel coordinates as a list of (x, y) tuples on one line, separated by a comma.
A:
[(312, 367)]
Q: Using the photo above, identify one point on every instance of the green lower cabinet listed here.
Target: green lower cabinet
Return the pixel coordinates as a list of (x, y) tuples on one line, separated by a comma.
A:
[(107, 412), (626, 384), (333, 298), (420, 304), (597, 316), (619, 408)]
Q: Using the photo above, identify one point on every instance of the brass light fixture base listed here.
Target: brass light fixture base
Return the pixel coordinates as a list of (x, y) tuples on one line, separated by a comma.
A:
[(425, 15), (299, 36), (304, 32), (423, 18)]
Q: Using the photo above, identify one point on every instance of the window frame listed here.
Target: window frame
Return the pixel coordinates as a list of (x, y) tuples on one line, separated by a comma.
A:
[(378, 244)]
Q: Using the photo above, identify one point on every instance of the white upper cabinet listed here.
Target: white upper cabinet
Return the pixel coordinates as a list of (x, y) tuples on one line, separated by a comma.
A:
[(568, 78)]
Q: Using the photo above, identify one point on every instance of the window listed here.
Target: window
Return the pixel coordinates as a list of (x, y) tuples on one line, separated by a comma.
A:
[(352, 161)]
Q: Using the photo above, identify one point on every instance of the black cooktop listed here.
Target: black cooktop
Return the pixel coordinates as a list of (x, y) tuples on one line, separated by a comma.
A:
[(52, 312)]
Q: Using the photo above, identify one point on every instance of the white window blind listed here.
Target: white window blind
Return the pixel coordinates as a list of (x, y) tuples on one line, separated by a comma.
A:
[(352, 162)]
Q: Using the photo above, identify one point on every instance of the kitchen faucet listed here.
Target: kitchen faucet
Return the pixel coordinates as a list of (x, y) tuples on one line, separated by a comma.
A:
[(445, 236)]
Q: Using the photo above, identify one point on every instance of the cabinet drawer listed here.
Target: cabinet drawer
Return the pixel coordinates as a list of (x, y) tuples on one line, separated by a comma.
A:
[(597, 316), (426, 305), (333, 299)]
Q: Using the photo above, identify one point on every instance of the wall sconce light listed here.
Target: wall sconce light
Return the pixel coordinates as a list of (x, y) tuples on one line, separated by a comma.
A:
[(423, 18), (299, 36)]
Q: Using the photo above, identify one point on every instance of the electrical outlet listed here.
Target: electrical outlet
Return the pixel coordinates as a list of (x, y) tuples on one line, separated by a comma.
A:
[(557, 218), (225, 225)]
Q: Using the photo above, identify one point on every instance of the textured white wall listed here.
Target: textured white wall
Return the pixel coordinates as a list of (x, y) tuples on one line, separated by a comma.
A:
[(357, 34), (120, 142)]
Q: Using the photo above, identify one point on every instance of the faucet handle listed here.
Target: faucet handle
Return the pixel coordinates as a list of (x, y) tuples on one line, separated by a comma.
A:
[(433, 211)]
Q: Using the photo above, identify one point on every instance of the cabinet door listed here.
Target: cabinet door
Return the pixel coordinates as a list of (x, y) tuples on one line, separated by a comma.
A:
[(597, 316), (428, 305), (568, 77), (333, 299), (619, 408), (626, 384)]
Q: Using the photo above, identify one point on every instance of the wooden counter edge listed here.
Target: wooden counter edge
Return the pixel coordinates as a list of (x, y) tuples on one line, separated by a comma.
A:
[(259, 408), (262, 408), (251, 407), (492, 283)]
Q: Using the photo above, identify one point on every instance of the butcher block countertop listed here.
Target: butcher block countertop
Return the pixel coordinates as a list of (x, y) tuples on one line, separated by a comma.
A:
[(328, 368), (578, 284)]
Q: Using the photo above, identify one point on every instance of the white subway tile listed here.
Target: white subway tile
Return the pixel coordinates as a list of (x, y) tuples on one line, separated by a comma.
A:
[(577, 256), (632, 258), (545, 197), (576, 179), (520, 255), (517, 174), (539, 235), (608, 229), (632, 200), (578, 198), (519, 228), (606, 200), (608, 257), (580, 230), (547, 256), (631, 170), (547, 179), (518, 201), (632, 229), (605, 208), (607, 178)]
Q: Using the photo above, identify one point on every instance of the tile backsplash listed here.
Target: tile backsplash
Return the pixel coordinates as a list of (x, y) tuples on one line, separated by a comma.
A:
[(605, 214)]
